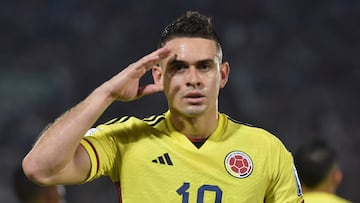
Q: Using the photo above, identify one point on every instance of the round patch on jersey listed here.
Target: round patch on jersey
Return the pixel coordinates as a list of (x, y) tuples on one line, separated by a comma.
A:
[(238, 164)]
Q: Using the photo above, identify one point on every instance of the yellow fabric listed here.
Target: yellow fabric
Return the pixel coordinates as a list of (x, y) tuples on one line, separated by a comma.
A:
[(155, 163), (322, 197)]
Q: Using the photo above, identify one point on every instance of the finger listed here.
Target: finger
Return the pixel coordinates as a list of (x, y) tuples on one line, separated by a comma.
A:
[(153, 58), (149, 89)]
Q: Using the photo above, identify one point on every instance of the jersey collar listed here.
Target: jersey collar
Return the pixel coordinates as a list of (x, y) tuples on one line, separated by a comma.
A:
[(222, 122)]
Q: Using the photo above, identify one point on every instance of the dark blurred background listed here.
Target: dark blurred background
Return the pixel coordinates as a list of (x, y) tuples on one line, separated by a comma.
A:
[(294, 70)]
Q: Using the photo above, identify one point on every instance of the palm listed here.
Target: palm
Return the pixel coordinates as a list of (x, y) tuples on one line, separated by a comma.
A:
[(125, 86)]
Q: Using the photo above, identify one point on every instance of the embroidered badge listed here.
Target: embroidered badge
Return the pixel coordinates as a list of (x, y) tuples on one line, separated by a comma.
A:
[(238, 164)]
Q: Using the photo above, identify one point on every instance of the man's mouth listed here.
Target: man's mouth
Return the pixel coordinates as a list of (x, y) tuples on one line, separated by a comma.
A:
[(194, 97)]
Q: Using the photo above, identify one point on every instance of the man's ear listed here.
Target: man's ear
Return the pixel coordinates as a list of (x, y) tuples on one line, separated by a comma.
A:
[(224, 73), (157, 74)]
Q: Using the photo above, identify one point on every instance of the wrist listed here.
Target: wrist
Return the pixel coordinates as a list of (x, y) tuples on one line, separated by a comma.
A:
[(105, 93)]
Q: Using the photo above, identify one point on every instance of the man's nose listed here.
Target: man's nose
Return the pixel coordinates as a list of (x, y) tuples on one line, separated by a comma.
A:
[(192, 77)]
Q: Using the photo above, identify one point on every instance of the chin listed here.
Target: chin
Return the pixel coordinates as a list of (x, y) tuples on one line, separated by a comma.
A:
[(194, 111)]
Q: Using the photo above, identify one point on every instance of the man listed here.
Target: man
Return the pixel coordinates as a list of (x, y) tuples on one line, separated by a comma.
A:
[(191, 153), (319, 172), (28, 192)]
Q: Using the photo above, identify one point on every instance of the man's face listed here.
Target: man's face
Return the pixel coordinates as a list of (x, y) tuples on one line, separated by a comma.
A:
[(192, 75)]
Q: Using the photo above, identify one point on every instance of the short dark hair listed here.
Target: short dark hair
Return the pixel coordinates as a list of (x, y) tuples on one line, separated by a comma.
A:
[(314, 161), (191, 24)]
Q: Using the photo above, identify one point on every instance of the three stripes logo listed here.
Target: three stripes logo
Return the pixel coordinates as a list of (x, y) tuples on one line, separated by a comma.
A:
[(163, 159)]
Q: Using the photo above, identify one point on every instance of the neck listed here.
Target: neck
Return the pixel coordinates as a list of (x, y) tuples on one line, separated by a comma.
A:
[(323, 187), (326, 190), (329, 184), (196, 127)]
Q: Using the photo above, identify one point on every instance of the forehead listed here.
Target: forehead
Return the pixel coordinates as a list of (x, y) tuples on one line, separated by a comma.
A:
[(192, 49)]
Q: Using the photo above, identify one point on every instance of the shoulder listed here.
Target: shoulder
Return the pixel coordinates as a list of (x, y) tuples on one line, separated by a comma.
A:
[(239, 125), (133, 121), (126, 124), (251, 135), (250, 131), (323, 197)]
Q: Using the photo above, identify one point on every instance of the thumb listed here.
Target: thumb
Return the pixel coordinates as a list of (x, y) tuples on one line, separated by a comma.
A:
[(150, 89)]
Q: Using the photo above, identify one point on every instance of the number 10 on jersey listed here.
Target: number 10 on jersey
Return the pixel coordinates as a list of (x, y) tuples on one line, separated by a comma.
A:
[(182, 191)]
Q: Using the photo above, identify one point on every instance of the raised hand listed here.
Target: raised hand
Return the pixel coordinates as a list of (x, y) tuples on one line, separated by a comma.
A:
[(125, 85)]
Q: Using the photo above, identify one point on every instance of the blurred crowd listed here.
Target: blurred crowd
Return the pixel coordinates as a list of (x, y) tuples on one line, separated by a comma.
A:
[(295, 70)]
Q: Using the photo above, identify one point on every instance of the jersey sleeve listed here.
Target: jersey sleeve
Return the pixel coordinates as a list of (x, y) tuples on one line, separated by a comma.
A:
[(102, 148), (285, 186)]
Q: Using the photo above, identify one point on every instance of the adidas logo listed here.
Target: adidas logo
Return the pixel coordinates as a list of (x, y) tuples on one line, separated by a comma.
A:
[(164, 159)]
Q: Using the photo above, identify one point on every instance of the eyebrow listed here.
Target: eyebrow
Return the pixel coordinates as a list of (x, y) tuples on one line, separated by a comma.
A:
[(175, 61), (205, 61)]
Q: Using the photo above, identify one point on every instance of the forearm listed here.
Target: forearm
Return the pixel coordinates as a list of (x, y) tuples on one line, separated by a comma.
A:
[(56, 147), (57, 156)]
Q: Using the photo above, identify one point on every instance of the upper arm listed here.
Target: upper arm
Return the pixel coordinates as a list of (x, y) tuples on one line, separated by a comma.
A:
[(285, 186), (76, 171)]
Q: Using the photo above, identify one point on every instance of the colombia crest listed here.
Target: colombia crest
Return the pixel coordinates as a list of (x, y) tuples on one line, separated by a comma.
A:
[(238, 164)]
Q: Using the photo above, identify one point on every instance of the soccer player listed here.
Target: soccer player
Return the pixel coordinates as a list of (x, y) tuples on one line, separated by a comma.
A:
[(319, 172), (191, 153)]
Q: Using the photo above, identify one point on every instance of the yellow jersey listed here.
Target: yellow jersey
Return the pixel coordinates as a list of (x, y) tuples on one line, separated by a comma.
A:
[(323, 197), (152, 162)]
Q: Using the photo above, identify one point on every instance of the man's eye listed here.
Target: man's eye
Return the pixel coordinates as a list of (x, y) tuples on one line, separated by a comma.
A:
[(204, 66), (178, 67)]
